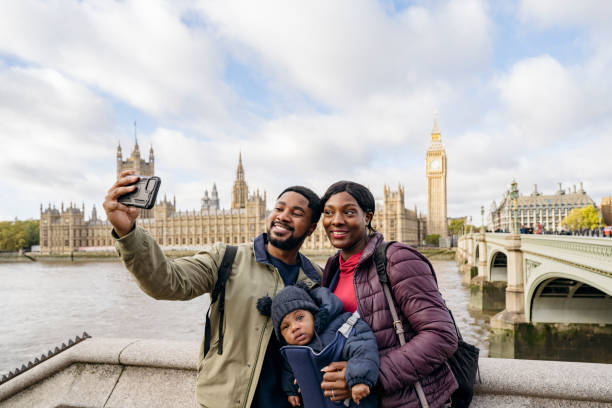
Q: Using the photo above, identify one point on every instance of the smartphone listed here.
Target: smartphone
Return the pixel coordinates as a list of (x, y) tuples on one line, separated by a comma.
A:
[(144, 195)]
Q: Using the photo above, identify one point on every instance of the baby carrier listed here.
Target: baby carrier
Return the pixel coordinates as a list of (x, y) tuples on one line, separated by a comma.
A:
[(306, 365)]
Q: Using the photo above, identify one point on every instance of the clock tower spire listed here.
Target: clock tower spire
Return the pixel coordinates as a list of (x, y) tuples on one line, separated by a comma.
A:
[(435, 161)]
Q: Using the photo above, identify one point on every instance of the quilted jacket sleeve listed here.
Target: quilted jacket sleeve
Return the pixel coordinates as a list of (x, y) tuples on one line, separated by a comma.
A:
[(417, 296), (361, 353)]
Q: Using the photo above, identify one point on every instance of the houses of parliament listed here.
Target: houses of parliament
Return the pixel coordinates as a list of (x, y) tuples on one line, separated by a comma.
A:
[(66, 230)]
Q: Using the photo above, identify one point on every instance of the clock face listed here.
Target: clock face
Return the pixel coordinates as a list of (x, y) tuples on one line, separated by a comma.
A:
[(435, 164)]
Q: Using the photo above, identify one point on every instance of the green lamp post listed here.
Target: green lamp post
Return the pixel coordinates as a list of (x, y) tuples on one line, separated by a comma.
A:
[(514, 198), (482, 228)]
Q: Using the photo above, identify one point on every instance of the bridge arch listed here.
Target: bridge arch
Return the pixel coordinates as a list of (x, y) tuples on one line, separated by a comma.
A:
[(561, 298), (498, 266)]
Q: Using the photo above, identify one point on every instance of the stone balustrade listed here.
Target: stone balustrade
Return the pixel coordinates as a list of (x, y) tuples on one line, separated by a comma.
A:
[(110, 372)]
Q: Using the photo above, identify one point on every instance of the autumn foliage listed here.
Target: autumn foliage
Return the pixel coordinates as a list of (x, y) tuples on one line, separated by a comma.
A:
[(18, 234), (582, 218)]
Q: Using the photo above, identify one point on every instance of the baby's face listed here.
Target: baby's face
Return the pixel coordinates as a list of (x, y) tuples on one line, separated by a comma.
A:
[(297, 327)]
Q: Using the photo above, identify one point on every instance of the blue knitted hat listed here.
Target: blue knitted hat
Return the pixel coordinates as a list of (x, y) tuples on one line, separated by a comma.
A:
[(290, 298)]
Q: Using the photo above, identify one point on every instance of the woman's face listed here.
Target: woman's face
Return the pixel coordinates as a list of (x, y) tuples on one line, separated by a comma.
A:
[(345, 223)]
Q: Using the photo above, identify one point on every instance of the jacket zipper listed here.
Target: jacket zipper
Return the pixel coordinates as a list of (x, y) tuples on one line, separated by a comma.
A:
[(263, 330)]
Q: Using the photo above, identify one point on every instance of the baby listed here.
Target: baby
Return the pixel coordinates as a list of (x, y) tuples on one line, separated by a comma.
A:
[(312, 318)]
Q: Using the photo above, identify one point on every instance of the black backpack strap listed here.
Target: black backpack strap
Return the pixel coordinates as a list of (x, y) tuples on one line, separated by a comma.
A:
[(219, 290), (380, 259)]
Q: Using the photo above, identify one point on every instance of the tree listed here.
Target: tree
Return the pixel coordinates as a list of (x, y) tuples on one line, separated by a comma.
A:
[(17, 234), (456, 226), (433, 239), (591, 217), (582, 218), (32, 232), (11, 236)]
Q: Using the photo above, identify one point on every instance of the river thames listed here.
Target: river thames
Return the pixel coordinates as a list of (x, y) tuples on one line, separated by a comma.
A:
[(46, 303)]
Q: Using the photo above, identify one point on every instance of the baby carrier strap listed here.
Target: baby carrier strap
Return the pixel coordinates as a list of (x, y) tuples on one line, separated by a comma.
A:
[(219, 293), (306, 365), (347, 328)]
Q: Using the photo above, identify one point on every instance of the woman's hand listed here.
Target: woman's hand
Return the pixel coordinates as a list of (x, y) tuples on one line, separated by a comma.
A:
[(334, 384)]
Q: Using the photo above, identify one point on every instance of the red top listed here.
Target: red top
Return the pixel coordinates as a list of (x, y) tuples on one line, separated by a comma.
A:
[(345, 289)]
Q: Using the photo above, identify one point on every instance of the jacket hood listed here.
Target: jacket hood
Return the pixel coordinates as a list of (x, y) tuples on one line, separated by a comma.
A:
[(330, 307)]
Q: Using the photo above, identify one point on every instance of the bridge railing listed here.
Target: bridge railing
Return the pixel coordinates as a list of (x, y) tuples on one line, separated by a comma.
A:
[(497, 238), (591, 253)]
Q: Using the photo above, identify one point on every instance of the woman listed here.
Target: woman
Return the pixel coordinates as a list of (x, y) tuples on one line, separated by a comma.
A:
[(430, 334)]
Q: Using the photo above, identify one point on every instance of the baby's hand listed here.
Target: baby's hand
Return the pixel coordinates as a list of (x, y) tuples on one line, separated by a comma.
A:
[(294, 400), (359, 392)]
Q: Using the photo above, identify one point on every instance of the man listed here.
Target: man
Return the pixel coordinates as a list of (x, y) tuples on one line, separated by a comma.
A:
[(247, 373)]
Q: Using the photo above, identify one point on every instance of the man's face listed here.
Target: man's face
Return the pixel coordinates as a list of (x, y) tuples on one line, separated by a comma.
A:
[(289, 222)]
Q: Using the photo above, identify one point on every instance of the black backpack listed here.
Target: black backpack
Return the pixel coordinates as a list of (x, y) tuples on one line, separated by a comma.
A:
[(219, 293), (464, 363)]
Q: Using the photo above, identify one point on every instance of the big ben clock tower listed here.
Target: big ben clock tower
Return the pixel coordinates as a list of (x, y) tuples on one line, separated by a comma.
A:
[(435, 161)]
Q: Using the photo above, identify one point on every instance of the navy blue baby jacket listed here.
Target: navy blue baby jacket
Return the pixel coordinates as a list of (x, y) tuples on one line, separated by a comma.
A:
[(360, 350)]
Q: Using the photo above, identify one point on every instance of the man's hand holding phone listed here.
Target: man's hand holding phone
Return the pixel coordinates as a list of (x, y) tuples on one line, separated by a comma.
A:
[(121, 216)]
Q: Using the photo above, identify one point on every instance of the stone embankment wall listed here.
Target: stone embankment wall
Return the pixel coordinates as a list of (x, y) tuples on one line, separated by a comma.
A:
[(155, 373)]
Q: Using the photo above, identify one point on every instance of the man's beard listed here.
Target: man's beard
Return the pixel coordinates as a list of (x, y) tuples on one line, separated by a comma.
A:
[(287, 244)]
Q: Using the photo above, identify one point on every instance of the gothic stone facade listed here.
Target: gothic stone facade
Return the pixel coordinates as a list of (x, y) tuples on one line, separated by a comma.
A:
[(435, 161), (66, 230)]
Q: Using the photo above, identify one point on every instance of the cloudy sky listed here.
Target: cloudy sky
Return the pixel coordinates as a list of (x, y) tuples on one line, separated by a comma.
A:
[(310, 92)]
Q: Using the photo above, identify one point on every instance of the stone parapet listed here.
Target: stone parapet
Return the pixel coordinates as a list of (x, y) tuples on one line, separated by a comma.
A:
[(107, 372), (98, 370), (521, 383)]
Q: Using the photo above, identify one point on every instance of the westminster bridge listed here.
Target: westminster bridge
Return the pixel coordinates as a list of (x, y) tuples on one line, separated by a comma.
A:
[(553, 293)]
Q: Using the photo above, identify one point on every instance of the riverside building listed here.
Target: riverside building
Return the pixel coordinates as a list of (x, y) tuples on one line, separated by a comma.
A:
[(537, 208), (66, 230)]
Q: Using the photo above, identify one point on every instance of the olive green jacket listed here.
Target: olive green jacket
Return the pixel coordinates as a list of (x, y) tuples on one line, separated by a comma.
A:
[(230, 379)]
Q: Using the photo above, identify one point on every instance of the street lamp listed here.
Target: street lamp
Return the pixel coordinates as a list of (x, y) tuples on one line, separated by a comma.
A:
[(482, 228), (514, 198)]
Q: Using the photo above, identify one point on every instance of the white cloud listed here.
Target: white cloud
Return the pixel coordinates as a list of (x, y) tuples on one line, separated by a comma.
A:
[(562, 12), (137, 51), (53, 133), (348, 90), (542, 101), (342, 52)]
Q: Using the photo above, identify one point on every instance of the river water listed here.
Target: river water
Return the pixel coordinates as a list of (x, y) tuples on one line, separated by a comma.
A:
[(43, 304)]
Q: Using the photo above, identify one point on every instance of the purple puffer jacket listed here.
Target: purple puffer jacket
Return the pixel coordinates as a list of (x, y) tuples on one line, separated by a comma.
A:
[(430, 333)]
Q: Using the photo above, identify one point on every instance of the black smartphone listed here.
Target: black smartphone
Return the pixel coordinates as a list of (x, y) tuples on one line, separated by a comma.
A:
[(144, 195)]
